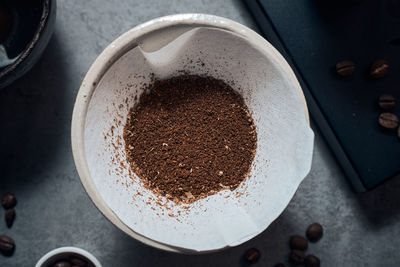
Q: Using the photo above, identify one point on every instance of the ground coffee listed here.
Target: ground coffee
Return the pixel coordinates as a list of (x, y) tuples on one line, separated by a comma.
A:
[(190, 137)]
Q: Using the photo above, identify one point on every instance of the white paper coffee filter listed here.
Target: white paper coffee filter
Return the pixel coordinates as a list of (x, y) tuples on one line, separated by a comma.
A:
[(282, 159)]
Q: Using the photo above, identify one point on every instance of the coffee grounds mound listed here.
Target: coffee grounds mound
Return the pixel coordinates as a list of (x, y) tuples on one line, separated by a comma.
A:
[(190, 137)]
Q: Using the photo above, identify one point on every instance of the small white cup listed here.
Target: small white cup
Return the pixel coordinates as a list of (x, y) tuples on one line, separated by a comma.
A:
[(64, 252)]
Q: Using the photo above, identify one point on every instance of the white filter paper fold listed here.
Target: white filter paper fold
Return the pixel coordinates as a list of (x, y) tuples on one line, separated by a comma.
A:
[(228, 218)]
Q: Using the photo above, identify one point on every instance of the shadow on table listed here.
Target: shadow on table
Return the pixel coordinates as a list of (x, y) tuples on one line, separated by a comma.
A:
[(381, 205), (30, 115), (272, 251)]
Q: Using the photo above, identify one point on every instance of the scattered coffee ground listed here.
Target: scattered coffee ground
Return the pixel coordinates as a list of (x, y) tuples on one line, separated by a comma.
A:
[(314, 232), (8, 201), (10, 217), (298, 242), (379, 68), (312, 261), (252, 255), (7, 245), (297, 257), (345, 68), (190, 137), (387, 102)]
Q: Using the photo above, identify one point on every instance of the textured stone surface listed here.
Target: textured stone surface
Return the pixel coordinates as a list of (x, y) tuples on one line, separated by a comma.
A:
[(54, 210)]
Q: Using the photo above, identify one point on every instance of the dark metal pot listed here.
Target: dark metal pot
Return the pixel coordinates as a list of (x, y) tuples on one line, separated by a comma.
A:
[(31, 26)]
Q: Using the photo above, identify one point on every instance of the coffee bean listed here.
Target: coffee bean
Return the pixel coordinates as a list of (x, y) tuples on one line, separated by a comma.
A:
[(398, 132), (279, 265), (296, 257), (62, 264), (388, 121), (78, 262), (314, 232), (298, 242), (7, 245), (387, 102), (312, 261), (345, 68), (379, 68), (8, 201), (10, 216), (252, 255)]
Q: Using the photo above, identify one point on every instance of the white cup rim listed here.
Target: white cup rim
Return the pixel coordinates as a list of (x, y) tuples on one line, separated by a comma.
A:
[(73, 250)]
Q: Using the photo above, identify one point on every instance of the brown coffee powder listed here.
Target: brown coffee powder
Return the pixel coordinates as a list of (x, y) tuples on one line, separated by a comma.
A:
[(190, 137)]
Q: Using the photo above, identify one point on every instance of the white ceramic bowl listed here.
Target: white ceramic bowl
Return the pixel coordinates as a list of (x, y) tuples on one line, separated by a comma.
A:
[(151, 36), (64, 252)]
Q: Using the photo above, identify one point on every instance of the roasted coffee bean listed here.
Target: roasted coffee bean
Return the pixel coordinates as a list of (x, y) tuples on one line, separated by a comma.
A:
[(379, 68), (279, 265), (252, 255), (297, 257), (388, 121), (298, 242), (8, 201), (62, 264), (7, 245), (314, 232), (10, 217), (387, 102), (312, 261), (78, 262), (398, 132), (345, 68)]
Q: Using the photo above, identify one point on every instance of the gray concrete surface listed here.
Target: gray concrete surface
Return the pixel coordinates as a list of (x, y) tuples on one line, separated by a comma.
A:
[(54, 210)]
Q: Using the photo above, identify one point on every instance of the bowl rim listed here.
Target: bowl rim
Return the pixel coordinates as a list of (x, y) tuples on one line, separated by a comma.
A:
[(74, 250), (106, 59), (47, 5)]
